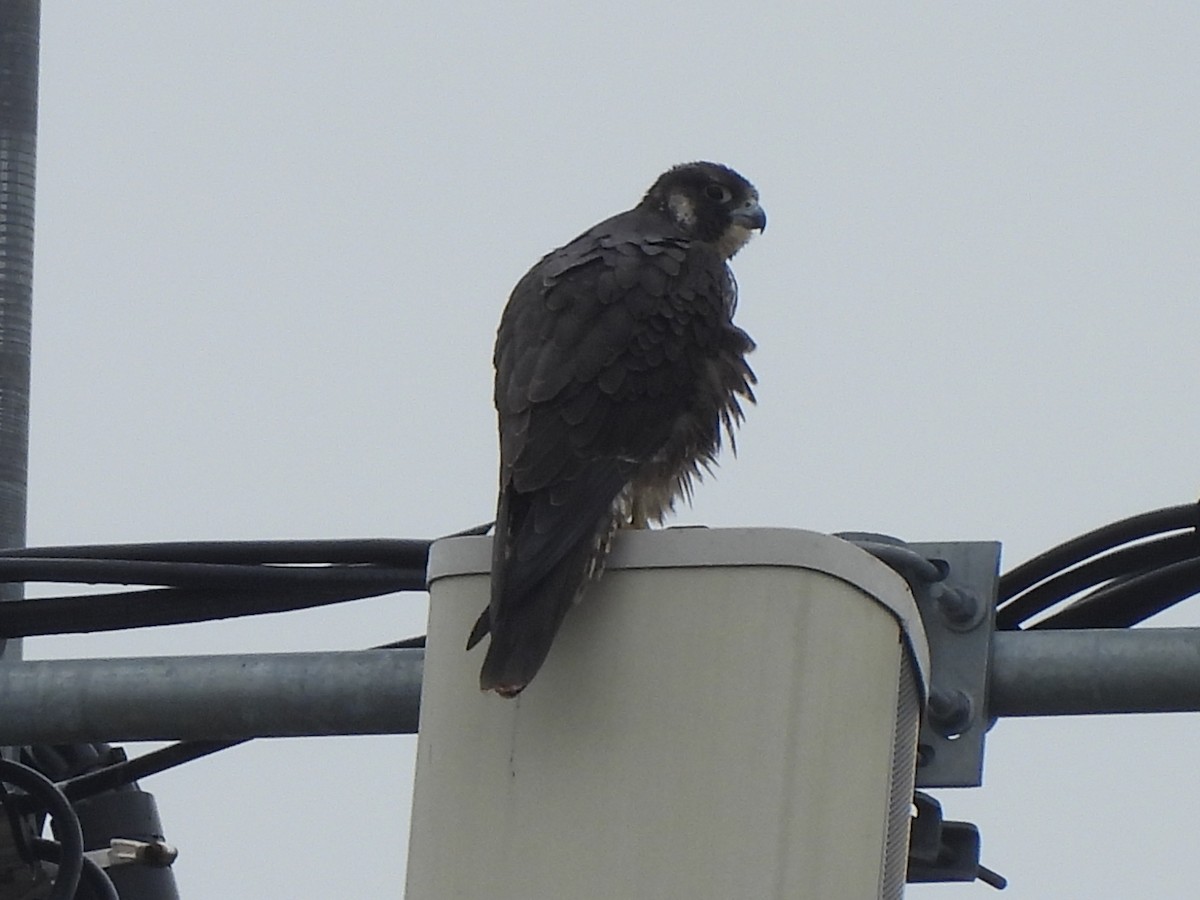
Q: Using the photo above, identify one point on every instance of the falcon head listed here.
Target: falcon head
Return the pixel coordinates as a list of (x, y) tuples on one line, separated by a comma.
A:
[(709, 202)]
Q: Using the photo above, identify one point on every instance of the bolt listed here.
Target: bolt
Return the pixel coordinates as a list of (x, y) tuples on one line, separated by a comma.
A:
[(960, 608), (950, 712)]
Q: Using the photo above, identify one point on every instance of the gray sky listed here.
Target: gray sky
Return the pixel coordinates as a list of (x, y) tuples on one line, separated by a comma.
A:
[(274, 241)]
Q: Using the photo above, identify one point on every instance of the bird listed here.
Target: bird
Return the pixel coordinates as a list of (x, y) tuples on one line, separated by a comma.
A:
[(618, 370)]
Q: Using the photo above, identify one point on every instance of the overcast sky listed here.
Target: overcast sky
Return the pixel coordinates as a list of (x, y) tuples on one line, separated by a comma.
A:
[(274, 241)]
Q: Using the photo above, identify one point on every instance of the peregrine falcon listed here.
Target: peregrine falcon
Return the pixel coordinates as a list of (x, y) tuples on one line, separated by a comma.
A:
[(617, 368)]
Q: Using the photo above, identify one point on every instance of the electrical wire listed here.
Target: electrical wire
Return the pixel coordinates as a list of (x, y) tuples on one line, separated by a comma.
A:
[(66, 824), (1118, 562), (402, 552), (910, 565), (1057, 559), (1127, 601), (412, 643), (58, 762), (197, 581), (210, 576), (1122, 562), (173, 606), (129, 771)]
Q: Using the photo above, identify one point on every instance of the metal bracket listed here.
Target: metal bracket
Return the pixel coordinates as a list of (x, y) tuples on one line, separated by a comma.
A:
[(959, 615), (955, 585), (126, 852), (940, 851)]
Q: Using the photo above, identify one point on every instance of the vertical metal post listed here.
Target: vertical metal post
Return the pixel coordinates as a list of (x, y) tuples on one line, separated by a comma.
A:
[(19, 21)]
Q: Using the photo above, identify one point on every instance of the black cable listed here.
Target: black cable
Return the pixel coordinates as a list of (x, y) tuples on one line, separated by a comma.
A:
[(205, 580), (1131, 600), (990, 878), (1123, 562), (473, 531), (174, 606), (910, 565), (412, 643), (66, 823), (58, 762), (129, 771), (211, 576), (1057, 559), (401, 552)]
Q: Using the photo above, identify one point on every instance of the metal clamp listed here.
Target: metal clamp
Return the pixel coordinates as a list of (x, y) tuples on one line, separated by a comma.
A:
[(954, 583), (126, 852)]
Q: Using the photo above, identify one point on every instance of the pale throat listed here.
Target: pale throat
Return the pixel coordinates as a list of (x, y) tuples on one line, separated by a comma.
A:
[(734, 239)]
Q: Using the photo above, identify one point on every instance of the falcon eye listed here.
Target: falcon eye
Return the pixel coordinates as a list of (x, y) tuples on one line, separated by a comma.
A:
[(718, 192)]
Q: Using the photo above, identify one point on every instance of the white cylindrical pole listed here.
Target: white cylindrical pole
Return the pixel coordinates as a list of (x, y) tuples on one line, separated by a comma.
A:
[(726, 714)]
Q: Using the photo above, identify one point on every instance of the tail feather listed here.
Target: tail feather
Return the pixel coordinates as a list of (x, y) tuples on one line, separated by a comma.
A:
[(525, 628), (482, 626)]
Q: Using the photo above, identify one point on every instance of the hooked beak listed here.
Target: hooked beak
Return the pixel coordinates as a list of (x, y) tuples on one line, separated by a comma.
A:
[(751, 216)]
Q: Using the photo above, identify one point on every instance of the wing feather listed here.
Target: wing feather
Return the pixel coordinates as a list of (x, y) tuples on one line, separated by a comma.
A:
[(602, 360)]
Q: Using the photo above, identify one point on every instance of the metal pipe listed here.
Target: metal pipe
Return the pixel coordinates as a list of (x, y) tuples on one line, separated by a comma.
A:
[(1094, 671), (19, 21), (1034, 673), (210, 697)]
